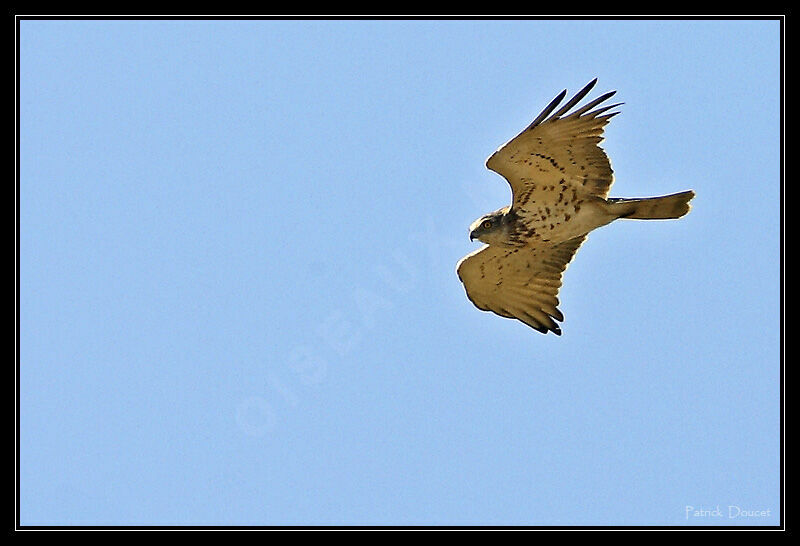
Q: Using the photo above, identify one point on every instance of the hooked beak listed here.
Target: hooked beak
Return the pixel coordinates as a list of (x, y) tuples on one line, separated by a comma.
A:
[(471, 235)]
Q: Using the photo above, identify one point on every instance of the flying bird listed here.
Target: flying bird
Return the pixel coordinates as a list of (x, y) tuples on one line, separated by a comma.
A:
[(559, 179)]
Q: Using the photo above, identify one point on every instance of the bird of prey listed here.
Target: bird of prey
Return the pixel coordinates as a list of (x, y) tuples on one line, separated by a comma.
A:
[(559, 179)]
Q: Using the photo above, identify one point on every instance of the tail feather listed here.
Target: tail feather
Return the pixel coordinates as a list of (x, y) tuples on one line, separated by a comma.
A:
[(652, 208)]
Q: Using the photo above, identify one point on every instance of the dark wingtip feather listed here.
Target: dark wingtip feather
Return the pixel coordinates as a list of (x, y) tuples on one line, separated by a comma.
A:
[(595, 113), (575, 100), (570, 104), (549, 108), (602, 98), (608, 116), (539, 328)]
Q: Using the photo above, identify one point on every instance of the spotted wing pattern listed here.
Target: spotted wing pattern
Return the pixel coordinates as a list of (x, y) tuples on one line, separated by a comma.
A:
[(557, 157), (519, 283)]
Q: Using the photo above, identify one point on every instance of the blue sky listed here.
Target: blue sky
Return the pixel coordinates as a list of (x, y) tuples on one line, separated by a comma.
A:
[(238, 300)]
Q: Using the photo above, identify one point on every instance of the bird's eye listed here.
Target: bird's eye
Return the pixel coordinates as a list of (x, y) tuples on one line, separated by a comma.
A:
[(487, 224)]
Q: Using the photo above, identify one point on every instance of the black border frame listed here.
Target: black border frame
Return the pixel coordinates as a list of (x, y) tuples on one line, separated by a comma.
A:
[(17, 527)]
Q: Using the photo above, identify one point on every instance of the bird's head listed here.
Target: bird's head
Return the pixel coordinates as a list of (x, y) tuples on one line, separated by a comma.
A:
[(491, 228)]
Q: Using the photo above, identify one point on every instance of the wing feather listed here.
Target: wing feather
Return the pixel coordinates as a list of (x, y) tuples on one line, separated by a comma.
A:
[(576, 99), (546, 112), (558, 150), (520, 283)]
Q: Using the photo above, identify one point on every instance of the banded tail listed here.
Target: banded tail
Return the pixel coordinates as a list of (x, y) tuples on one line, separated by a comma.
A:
[(652, 208)]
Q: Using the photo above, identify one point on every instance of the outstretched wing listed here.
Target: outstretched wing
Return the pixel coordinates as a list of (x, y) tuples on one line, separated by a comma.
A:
[(520, 283), (558, 154)]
